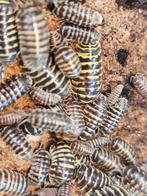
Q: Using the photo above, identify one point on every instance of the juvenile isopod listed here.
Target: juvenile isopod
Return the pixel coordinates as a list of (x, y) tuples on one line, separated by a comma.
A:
[(115, 94), (11, 117), (139, 82), (43, 97), (113, 116)]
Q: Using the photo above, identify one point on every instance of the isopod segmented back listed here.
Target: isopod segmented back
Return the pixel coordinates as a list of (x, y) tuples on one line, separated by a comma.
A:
[(40, 166), (87, 177), (56, 40), (11, 117), (8, 32), (87, 85), (139, 81), (79, 34), (62, 164), (64, 190), (77, 14), (43, 97), (52, 121), (106, 161), (80, 148), (115, 94), (68, 61), (113, 116), (75, 112), (93, 115), (33, 37), (13, 88), (124, 150), (17, 142), (12, 182), (50, 79)]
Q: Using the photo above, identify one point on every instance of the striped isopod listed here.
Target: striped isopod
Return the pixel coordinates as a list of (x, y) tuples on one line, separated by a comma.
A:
[(135, 179), (77, 14), (11, 117), (8, 32), (28, 129), (88, 84), (115, 94), (75, 112), (113, 190), (139, 82), (79, 34), (13, 88), (82, 159), (44, 98), (56, 40), (64, 190), (62, 164), (87, 177), (54, 121), (97, 141), (40, 166), (113, 116), (12, 182), (50, 79), (93, 115), (124, 150), (81, 148), (106, 161), (16, 140), (33, 37), (67, 61)]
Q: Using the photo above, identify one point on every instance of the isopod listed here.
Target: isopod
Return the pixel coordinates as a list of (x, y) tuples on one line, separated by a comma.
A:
[(13, 88), (12, 182), (79, 34), (16, 140)]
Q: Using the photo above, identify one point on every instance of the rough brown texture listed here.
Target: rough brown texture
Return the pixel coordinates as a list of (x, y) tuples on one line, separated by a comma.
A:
[(122, 28)]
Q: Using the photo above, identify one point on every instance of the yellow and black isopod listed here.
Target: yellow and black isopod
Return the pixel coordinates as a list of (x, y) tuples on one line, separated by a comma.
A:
[(62, 164), (87, 85)]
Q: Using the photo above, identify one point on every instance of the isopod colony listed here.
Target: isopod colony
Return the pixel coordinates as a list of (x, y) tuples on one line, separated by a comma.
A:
[(66, 85)]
